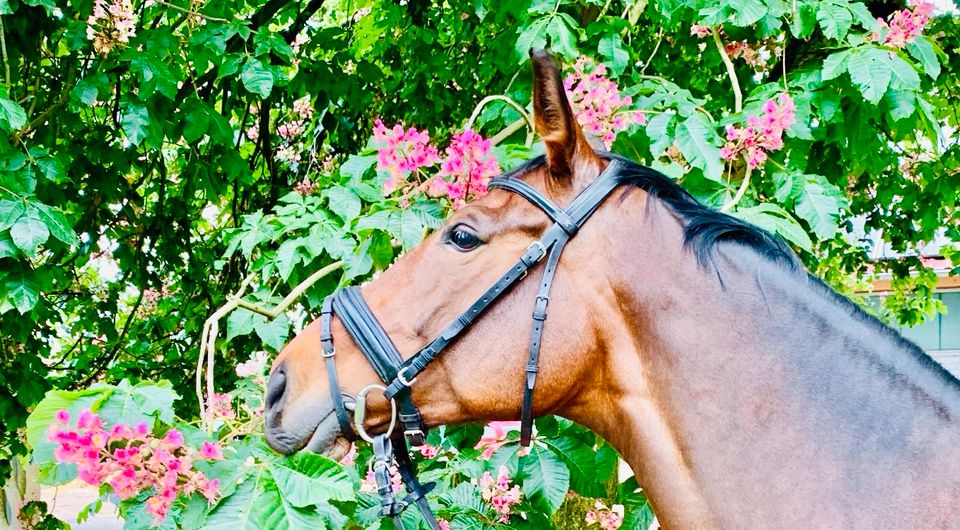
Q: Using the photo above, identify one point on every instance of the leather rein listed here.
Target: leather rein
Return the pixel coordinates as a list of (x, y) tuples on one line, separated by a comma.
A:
[(399, 375)]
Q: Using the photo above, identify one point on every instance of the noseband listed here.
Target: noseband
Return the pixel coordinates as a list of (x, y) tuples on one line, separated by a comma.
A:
[(399, 375)]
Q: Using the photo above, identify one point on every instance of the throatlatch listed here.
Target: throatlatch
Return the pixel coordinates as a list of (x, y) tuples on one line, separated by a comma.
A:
[(399, 375)]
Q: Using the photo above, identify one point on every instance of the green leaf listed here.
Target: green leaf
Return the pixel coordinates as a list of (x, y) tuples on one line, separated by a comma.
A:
[(698, 140), (902, 103), (546, 476), (57, 223), (123, 407), (923, 51), (658, 130), (12, 114), (236, 511), (638, 514), (904, 75), (196, 125), (356, 166), (533, 36), (240, 322), (406, 227), (7, 248), (10, 211), (820, 204), (835, 65), (257, 78), (272, 332), (614, 55), (804, 21), (5, 8), (747, 12), (305, 479), (22, 293), (581, 462), (343, 202), (272, 510), (47, 5), (869, 74), (288, 257), (835, 20), (563, 38), (775, 219), (135, 122), (29, 231)]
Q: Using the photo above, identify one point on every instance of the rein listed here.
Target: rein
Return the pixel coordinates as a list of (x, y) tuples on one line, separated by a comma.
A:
[(399, 375)]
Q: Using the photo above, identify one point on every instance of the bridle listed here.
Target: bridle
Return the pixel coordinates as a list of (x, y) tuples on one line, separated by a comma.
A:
[(399, 375)]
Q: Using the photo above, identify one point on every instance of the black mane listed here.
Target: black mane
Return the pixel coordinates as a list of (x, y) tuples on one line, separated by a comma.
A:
[(705, 227)]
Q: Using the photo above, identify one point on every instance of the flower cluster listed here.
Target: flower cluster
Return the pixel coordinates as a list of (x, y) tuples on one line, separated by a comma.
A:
[(131, 460), (220, 406), (111, 25), (401, 152), (597, 102), (369, 482), (466, 170), (700, 31), (495, 436), (609, 518), (499, 494), (762, 134), (253, 367), (427, 450), (904, 26)]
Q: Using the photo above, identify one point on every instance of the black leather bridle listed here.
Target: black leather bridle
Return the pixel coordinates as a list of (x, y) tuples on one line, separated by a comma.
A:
[(398, 374)]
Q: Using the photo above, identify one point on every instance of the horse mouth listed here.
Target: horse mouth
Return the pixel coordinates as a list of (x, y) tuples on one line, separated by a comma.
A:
[(327, 440), (322, 437)]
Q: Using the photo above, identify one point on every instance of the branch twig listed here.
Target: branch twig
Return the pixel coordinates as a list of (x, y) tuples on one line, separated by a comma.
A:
[(497, 97), (653, 54), (290, 298), (740, 191), (731, 71), (191, 12), (3, 50)]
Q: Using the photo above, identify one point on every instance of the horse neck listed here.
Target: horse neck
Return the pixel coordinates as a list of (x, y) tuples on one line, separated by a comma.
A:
[(748, 394)]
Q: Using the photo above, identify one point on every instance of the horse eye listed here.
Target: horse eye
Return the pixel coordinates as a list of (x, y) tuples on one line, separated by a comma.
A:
[(463, 240)]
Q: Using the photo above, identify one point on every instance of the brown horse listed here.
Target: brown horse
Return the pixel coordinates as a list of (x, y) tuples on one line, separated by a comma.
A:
[(742, 391)]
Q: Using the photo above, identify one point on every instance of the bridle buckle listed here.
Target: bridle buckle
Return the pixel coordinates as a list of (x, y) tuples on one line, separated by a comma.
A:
[(539, 246), (402, 377)]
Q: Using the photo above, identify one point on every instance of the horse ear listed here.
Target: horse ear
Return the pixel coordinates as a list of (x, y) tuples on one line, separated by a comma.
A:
[(567, 148)]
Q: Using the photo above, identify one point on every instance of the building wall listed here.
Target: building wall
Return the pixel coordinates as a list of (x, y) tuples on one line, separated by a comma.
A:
[(940, 336)]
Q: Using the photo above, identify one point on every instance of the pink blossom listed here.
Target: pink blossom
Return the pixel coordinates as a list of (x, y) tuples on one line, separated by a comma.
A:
[(210, 451), (443, 524), (257, 362), (499, 494), (495, 436), (700, 30), (596, 100), (466, 170), (303, 107), (111, 25), (608, 518), (291, 130), (63, 417), (903, 26), (427, 450), (401, 152), (762, 134), (369, 482), (220, 406), (131, 461), (349, 459)]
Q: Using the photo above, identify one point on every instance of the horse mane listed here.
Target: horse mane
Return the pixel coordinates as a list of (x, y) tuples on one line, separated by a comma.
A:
[(704, 227)]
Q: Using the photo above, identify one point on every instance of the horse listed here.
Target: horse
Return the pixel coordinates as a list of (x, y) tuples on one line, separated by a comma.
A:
[(742, 391)]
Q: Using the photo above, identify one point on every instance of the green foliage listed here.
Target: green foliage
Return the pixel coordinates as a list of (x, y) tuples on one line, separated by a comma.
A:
[(139, 187)]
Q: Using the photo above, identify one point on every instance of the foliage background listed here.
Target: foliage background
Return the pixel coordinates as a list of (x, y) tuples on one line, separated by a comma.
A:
[(133, 199)]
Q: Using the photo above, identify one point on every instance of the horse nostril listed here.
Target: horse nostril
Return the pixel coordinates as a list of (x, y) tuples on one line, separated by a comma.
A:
[(276, 388)]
